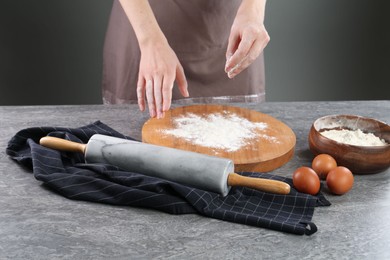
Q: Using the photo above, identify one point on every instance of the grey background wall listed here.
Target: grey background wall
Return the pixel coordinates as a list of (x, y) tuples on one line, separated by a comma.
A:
[(328, 50), (51, 50)]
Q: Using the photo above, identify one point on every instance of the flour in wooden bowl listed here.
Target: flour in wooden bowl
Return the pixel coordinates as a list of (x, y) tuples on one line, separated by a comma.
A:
[(354, 137), (226, 131)]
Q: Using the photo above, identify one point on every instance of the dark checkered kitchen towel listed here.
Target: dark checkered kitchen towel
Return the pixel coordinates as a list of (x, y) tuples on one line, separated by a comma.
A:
[(67, 174)]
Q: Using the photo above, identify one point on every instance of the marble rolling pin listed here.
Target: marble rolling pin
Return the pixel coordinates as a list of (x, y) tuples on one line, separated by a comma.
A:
[(189, 168)]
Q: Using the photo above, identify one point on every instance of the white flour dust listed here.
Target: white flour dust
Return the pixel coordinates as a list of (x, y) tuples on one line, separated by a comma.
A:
[(354, 137), (226, 131)]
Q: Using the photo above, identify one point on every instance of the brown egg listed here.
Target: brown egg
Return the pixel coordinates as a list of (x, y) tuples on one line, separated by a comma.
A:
[(339, 180), (306, 180), (323, 164)]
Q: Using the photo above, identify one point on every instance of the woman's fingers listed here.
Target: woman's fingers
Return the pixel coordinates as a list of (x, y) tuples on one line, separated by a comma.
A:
[(141, 93), (150, 97), (157, 88), (181, 81), (249, 58), (244, 47), (167, 92), (233, 42), (158, 93)]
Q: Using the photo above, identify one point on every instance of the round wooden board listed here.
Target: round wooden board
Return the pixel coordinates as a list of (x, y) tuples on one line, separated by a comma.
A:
[(261, 154)]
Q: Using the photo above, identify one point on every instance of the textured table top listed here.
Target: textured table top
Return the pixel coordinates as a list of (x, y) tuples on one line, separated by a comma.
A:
[(36, 223)]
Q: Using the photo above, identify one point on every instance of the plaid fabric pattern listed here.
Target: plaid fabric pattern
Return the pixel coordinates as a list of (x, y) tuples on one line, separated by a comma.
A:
[(68, 175)]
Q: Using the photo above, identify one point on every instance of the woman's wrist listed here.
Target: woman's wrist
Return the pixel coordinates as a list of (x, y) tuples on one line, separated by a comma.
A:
[(256, 7), (152, 40), (144, 23)]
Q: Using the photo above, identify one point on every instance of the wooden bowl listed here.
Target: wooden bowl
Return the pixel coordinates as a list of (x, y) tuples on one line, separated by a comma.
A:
[(359, 159)]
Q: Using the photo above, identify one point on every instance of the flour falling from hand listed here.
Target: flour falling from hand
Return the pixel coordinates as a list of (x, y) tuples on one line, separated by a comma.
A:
[(226, 131)]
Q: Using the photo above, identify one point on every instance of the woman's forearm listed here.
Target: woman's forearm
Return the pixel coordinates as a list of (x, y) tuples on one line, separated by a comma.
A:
[(256, 6), (143, 21)]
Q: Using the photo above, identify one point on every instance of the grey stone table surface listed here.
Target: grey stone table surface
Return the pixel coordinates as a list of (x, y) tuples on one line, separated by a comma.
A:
[(36, 223)]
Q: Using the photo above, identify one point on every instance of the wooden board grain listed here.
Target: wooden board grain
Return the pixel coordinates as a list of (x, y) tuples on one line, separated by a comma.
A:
[(260, 154)]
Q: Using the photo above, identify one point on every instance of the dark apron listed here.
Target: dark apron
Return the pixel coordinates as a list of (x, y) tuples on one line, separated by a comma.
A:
[(198, 32)]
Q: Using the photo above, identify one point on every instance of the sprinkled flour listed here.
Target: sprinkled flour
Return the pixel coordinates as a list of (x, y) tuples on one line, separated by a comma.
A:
[(354, 137), (226, 131)]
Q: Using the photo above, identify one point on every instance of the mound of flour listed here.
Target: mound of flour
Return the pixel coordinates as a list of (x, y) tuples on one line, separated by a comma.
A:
[(354, 137), (226, 131)]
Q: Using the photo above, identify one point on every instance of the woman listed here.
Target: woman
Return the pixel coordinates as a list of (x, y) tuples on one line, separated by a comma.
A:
[(185, 50)]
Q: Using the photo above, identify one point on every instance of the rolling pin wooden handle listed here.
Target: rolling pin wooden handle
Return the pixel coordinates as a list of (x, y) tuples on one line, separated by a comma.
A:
[(62, 144), (266, 185)]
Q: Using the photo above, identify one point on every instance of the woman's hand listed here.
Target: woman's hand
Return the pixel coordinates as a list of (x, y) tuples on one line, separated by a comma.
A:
[(159, 68), (159, 65), (248, 37)]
